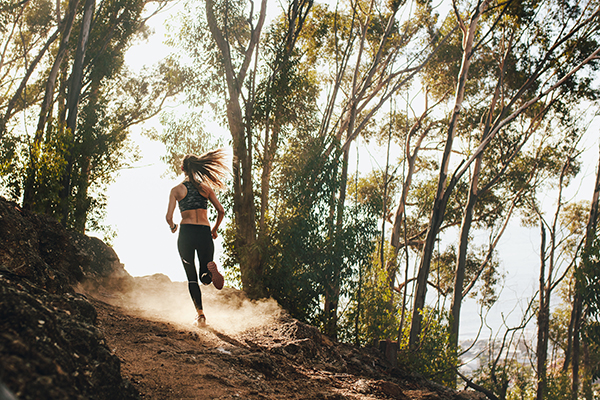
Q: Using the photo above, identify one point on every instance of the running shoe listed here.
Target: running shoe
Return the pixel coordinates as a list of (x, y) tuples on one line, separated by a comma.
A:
[(217, 278), (200, 321)]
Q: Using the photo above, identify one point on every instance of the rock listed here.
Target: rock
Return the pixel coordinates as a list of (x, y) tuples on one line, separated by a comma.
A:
[(391, 389)]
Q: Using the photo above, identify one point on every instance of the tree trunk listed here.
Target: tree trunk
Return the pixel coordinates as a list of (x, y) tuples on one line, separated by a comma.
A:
[(243, 194), (391, 272), (333, 289), (271, 142), (412, 159), (60, 56), (332, 292), (82, 202), (543, 320), (243, 207), (461, 261), (441, 198), (576, 317), (572, 354), (296, 15), (75, 86)]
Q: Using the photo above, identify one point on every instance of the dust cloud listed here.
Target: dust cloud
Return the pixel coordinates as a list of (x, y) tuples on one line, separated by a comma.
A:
[(156, 297)]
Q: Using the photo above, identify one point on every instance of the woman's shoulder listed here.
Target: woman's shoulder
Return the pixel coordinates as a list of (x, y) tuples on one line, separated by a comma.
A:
[(179, 188), (206, 190)]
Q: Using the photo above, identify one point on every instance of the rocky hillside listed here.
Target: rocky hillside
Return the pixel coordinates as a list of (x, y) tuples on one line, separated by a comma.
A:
[(50, 344), (75, 325)]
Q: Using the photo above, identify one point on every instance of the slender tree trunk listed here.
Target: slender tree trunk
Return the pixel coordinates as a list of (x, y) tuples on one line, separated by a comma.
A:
[(412, 160), (391, 271), (271, 142), (441, 198), (60, 56), (461, 262), (332, 292), (543, 320), (360, 266), (572, 354), (75, 86), (7, 38), (576, 315), (296, 15), (76, 78), (243, 207), (82, 202)]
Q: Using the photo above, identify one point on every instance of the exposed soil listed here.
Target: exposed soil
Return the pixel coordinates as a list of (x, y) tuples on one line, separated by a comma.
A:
[(249, 351)]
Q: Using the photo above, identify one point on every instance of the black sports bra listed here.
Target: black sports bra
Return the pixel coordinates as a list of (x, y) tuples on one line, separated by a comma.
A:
[(193, 199)]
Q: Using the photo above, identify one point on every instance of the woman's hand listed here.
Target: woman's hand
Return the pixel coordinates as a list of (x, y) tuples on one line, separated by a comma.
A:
[(174, 228), (214, 232)]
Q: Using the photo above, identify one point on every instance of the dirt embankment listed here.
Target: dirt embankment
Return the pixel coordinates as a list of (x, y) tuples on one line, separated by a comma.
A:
[(75, 325)]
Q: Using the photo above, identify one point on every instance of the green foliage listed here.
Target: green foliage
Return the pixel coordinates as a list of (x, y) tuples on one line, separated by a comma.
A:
[(205, 86), (507, 378), (588, 284), (40, 17), (370, 194), (573, 220), (373, 309), (588, 278), (559, 386), (42, 165), (515, 380), (591, 337), (305, 253), (10, 187), (46, 164), (435, 357), (183, 135)]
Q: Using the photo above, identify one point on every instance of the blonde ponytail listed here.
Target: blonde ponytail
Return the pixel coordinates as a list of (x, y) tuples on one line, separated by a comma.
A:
[(208, 169)]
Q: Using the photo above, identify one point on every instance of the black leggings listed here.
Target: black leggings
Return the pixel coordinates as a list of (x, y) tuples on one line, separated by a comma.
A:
[(195, 239)]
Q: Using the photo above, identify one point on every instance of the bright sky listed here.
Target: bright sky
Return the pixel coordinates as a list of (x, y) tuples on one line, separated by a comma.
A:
[(146, 246)]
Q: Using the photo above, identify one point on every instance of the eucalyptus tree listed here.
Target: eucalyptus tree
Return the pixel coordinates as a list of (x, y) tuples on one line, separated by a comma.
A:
[(563, 231), (555, 262), (585, 311), (355, 58), (367, 52), (68, 62), (542, 59)]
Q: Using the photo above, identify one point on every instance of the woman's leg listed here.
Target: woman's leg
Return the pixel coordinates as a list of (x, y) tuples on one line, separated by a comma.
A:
[(206, 251), (187, 249), (208, 269)]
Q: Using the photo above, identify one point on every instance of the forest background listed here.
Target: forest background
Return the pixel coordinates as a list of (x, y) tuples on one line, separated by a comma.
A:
[(386, 156)]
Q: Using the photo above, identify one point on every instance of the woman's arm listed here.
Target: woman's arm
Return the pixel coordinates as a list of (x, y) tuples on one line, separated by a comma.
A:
[(171, 209), (220, 210)]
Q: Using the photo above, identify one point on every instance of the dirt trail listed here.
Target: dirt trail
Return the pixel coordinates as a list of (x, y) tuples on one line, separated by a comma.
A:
[(74, 323), (248, 351)]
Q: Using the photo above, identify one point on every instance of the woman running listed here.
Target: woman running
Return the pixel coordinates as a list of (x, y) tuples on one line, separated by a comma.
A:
[(203, 175)]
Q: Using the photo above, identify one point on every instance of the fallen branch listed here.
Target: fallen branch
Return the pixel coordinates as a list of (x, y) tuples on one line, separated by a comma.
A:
[(475, 386)]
